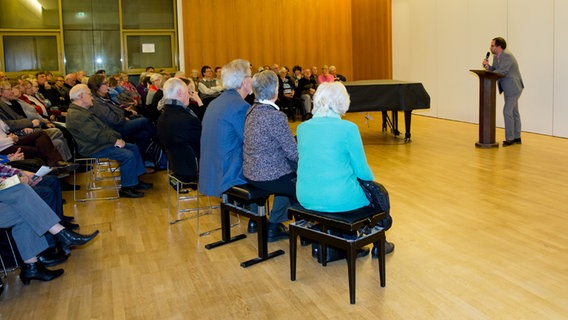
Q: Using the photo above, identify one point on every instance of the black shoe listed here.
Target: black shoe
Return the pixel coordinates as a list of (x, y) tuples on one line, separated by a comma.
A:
[(65, 167), (518, 141), (130, 192), (507, 143), (143, 185), (38, 271), (277, 231), (68, 218), (52, 257), (69, 225), (251, 227), (389, 247), (66, 186), (68, 239)]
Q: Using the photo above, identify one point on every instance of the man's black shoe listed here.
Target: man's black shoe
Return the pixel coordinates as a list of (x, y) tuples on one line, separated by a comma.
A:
[(389, 247), (518, 141), (65, 167), (52, 257), (277, 231), (130, 192), (251, 227), (69, 225), (507, 143), (143, 185)]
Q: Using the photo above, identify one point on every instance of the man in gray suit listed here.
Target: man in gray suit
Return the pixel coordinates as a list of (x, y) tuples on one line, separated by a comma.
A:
[(512, 85)]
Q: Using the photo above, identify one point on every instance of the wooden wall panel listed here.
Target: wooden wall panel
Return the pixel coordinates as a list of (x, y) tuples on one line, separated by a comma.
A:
[(372, 39), (289, 32)]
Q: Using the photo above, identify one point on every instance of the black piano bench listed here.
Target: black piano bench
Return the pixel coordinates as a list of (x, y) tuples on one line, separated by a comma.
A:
[(363, 221), (236, 200)]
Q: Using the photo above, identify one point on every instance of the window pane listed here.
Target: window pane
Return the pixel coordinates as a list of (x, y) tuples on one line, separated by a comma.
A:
[(90, 14), (27, 14), (23, 53), (147, 14), (146, 51), (92, 50)]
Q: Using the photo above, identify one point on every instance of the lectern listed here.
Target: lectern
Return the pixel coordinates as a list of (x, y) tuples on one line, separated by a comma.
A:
[(487, 92)]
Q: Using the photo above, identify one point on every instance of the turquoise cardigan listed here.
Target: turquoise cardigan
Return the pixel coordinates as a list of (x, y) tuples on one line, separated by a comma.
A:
[(331, 158)]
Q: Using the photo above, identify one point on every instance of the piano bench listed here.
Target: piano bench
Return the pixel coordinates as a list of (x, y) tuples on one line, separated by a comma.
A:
[(364, 221), (236, 200)]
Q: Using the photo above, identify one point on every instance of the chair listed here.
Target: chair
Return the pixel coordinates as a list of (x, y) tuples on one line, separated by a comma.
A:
[(182, 176), (6, 269), (98, 171), (236, 200), (365, 221)]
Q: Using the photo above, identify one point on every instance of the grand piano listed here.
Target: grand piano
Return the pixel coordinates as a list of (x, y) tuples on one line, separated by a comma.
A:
[(388, 95)]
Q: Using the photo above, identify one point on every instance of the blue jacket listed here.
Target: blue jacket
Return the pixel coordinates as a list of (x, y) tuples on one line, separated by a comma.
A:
[(222, 136)]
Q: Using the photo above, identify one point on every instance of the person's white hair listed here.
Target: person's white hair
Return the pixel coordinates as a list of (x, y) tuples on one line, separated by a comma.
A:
[(330, 98), (265, 85), (234, 72), (172, 86), (155, 76), (77, 90)]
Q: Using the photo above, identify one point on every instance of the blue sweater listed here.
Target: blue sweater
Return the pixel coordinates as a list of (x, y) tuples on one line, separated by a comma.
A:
[(331, 158)]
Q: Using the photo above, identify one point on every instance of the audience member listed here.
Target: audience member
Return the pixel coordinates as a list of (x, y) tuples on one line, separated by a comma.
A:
[(221, 156), (79, 75), (34, 145), (331, 156), (208, 87), (305, 90), (155, 84), (336, 76), (132, 128), (325, 76), (11, 112), (218, 76), (96, 139), (30, 219), (270, 155), (179, 130), (297, 75)]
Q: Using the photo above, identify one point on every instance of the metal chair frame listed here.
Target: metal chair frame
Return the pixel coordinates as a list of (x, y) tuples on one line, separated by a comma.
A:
[(96, 167)]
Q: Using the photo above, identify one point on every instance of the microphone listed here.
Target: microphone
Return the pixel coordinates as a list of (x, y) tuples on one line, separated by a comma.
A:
[(487, 55)]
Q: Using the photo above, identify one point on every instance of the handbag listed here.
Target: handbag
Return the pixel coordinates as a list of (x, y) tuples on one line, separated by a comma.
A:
[(379, 199)]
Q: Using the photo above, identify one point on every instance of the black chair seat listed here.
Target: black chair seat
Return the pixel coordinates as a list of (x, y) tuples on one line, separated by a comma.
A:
[(347, 220), (247, 192)]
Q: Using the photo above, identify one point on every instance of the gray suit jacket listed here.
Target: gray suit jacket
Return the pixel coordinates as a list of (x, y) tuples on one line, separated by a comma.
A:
[(507, 65)]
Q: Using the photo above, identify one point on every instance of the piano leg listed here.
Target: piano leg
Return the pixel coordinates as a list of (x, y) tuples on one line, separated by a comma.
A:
[(407, 117)]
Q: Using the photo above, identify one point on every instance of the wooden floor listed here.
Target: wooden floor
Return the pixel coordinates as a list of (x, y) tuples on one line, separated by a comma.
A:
[(479, 234)]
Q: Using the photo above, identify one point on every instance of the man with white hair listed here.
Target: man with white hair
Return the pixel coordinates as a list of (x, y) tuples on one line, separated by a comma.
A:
[(179, 130), (95, 139), (222, 136)]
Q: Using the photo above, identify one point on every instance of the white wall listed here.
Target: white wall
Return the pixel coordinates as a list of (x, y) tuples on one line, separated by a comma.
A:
[(437, 42)]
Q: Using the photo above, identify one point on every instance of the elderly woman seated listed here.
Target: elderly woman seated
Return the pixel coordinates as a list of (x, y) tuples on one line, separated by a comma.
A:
[(270, 154), (331, 156)]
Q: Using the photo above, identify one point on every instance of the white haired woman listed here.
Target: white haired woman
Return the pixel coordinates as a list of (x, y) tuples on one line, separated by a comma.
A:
[(331, 156), (270, 155)]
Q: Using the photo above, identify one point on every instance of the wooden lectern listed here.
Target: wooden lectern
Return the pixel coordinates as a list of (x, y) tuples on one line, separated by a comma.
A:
[(487, 92)]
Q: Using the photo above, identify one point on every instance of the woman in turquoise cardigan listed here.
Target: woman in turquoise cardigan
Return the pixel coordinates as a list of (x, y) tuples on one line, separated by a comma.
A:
[(331, 156)]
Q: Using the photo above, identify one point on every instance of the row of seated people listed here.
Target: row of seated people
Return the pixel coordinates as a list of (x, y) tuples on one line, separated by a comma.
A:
[(32, 210), (237, 143)]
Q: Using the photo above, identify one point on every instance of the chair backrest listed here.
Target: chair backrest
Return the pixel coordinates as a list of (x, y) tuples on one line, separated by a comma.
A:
[(183, 162)]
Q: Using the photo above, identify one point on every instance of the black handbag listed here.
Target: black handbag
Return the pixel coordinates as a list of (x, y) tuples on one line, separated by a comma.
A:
[(379, 199)]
